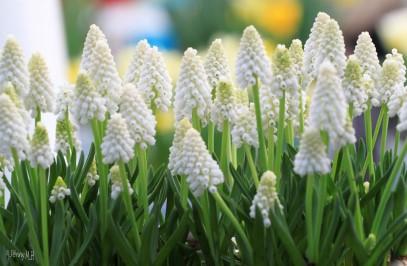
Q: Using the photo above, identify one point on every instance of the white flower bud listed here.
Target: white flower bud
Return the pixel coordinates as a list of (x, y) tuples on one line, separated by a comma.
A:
[(117, 144), (224, 104), (13, 131), (216, 65), (134, 69), (13, 67), (40, 152), (88, 103), (139, 118), (244, 130), (64, 101), (311, 157), (365, 52), (174, 162), (59, 191), (117, 184), (103, 73), (192, 90), (92, 175), (252, 61), (93, 36), (41, 93), (311, 46), (266, 197), (354, 86), (328, 108), (62, 132), (201, 170), (155, 81)]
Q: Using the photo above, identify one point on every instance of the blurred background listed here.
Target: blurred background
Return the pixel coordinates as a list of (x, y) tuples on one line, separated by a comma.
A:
[(57, 28)]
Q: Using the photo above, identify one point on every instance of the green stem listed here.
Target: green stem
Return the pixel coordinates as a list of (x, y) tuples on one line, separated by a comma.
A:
[(280, 136), (389, 188), (44, 214), (225, 152), (69, 129), (271, 147), (128, 205), (354, 190), (235, 223), (195, 120), (309, 215), (211, 136), (384, 132), (37, 115), (369, 141), (184, 192), (252, 166), (396, 142), (262, 145), (143, 179)]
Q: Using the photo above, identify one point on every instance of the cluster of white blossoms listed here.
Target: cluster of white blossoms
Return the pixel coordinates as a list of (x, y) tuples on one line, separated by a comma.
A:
[(13, 131), (174, 162), (223, 106), (355, 86), (266, 197), (117, 184), (399, 95), (139, 118), (155, 82), (216, 65), (296, 53), (41, 94), (88, 103), (64, 130), (9, 90), (64, 101), (59, 191), (389, 79), (252, 62), (244, 129), (192, 89), (117, 144), (40, 151), (93, 36), (13, 68), (191, 158), (134, 69), (92, 175), (311, 157)]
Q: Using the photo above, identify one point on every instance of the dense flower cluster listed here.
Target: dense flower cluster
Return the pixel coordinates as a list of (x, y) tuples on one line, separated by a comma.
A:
[(134, 69), (117, 184), (224, 105), (40, 151), (65, 130), (59, 191), (92, 175), (216, 65)]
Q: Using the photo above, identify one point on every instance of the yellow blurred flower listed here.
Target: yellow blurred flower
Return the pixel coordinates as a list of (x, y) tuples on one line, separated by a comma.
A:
[(165, 121), (73, 69), (280, 17), (393, 30)]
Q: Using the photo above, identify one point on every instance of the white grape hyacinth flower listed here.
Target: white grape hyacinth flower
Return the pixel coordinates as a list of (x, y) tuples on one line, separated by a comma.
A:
[(10, 91), (59, 191), (117, 184), (138, 116), (311, 46), (266, 197), (328, 108), (296, 53), (41, 94), (92, 175), (192, 89), (13, 131), (174, 162), (117, 144), (64, 128), (13, 67), (40, 151), (402, 125), (92, 37), (354, 86), (269, 107), (332, 48), (345, 136), (244, 130), (155, 81), (396, 101), (201, 170), (105, 77), (311, 157), (134, 69), (64, 101), (365, 52), (389, 80), (216, 65), (252, 61), (223, 105), (88, 104)]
